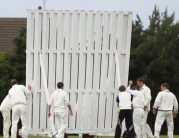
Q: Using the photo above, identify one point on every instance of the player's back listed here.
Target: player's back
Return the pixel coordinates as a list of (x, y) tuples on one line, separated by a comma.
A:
[(138, 99), (60, 100), (167, 100), (17, 94), (124, 100)]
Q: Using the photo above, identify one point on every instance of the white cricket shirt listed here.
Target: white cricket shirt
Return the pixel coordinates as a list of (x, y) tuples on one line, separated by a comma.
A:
[(59, 100), (17, 94), (165, 101), (147, 96), (138, 98)]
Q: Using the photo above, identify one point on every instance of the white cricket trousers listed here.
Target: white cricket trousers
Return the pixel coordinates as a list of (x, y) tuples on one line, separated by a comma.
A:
[(139, 122), (6, 123), (147, 128), (19, 111), (61, 120), (161, 116)]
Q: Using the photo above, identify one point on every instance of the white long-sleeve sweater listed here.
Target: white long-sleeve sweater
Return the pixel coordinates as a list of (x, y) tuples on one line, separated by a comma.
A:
[(59, 99), (165, 101), (17, 94), (138, 98), (147, 96)]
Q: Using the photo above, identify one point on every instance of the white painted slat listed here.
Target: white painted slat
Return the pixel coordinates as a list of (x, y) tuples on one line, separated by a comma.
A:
[(81, 73), (29, 60), (116, 77), (51, 56), (102, 98), (128, 43), (37, 44), (46, 96), (111, 71), (108, 80), (96, 72), (60, 44), (120, 41), (66, 54), (67, 46), (74, 66), (45, 35), (42, 108), (90, 35), (52, 47)]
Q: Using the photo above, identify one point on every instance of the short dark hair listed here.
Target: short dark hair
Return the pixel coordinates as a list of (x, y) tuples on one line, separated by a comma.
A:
[(165, 85), (122, 88), (60, 84), (140, 79), (13, 82)]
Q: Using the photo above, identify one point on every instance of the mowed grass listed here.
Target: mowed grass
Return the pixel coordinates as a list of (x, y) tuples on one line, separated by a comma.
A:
[(162, 136)]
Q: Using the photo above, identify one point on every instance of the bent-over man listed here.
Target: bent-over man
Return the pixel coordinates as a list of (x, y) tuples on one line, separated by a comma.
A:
[(17, 95)]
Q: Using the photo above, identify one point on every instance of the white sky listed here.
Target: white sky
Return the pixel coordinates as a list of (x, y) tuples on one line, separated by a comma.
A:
[(17, 8)]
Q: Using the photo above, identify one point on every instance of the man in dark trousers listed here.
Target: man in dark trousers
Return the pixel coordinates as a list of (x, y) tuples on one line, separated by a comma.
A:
[(125, 112)]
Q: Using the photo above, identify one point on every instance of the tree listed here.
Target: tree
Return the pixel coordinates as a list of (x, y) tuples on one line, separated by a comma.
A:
[(13, 65), (156, 57)]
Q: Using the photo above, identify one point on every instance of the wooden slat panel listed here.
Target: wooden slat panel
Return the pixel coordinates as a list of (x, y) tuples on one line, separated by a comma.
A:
[(82, 47)]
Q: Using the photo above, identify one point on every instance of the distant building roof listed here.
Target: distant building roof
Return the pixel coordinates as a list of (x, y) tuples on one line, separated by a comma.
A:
[(8, 30)]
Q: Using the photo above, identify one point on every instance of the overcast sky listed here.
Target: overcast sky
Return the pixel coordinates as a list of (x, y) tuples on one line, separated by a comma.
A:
[(17, 8)]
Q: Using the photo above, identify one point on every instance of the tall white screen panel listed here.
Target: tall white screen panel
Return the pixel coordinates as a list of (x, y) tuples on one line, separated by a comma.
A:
[(83, 49)]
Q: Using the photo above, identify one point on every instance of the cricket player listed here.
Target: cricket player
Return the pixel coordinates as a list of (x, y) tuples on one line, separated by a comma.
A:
[(17, 95), (5, 109), (167, 106), (125, 112), (147, 98), (138, 111), (60, 102)]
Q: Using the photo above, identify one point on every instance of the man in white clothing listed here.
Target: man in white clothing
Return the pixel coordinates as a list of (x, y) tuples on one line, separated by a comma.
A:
[(147, 98), (17, 95), (167, 106), (5, 109), (60, 102), (138, 111)]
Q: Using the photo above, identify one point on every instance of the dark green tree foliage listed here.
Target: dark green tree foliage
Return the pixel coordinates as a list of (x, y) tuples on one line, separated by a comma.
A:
[(13, 65), (156, 58), (137, 39), (17, 58)]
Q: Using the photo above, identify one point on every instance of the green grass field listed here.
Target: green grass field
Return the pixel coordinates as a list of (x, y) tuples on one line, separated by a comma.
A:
[(176, 136)]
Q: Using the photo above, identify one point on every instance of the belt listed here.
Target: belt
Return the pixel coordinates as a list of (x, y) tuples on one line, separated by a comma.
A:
[(164, 110)]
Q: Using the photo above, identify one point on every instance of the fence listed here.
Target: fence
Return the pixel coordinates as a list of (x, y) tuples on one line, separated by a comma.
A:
[(89, 52)]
